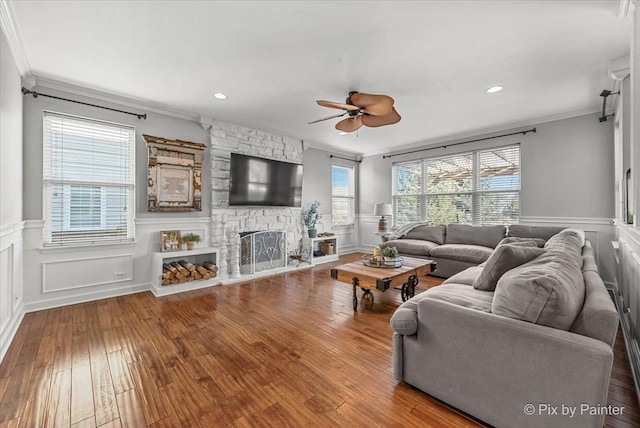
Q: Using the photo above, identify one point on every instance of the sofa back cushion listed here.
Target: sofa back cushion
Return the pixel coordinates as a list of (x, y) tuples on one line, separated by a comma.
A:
[(485, 236), (504, 258), (542, 232), (525, 242), (549, 290), (427, 233)]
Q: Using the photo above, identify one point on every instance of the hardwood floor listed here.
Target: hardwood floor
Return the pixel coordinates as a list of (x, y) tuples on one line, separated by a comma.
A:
[(281, 351)]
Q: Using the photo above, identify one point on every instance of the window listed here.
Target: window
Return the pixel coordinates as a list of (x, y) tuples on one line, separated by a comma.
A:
[(342, 195), (480, 187), (88, 173)]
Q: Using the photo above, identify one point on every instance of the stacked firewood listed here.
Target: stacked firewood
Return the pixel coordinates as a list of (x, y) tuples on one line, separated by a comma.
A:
[(183, 271)]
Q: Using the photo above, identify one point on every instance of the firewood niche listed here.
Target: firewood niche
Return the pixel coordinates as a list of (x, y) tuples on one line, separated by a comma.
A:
[(174, 175)]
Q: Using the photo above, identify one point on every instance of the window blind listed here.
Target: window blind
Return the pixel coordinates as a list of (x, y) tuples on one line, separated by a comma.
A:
[(88, 181), (479, 187)]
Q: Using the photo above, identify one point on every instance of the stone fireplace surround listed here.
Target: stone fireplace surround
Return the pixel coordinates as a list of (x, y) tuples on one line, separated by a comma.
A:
[(227, 138)]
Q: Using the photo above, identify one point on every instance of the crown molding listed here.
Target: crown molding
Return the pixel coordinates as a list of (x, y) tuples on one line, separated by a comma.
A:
[(479, 132), (8, 23), (47, 82), (626, 8)]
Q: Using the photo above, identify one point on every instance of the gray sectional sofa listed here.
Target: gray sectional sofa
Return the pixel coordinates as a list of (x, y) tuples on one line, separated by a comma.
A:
[(457, 247), (515, 344)]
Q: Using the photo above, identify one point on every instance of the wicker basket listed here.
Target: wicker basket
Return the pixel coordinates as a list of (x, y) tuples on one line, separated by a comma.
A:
[(326, 247)]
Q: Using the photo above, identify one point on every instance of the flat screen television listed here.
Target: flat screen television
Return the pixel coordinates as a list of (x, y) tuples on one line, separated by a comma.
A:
[(264, 182)]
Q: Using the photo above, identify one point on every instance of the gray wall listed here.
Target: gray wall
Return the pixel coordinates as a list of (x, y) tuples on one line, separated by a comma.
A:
[(156, 124), (567, 168), (10, 138)]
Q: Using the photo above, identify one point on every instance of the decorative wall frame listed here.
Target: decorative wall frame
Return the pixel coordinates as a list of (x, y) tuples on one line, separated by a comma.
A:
[(174, 175)]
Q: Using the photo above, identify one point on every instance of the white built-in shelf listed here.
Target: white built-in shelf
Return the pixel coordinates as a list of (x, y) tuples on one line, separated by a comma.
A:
[(197, 255), (315, 246)]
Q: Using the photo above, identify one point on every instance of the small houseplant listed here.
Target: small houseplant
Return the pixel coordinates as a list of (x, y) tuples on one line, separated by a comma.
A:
[(311, 218), (190, 239), (389, 253)]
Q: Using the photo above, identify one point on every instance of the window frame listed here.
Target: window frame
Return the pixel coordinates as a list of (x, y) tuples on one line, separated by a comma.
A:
[(71, 236), (351, 197), (476, 192)]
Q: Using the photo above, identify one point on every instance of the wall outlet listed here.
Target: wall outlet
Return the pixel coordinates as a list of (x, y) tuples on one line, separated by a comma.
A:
[(119, 275)]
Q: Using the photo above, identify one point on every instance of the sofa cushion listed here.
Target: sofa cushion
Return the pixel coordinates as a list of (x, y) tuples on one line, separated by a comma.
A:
[(548, 291), (525, 242), (466, 277), (503, 259), (427, 233), (411, 246), (484, 236), (465, 253), (461, 295), (567, 239), (542, 232)]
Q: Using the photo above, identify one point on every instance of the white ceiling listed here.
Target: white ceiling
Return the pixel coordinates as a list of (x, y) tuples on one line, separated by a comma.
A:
[(275, 58)]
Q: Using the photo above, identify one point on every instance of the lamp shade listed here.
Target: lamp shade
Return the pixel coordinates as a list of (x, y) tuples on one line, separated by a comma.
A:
[(382, 209)]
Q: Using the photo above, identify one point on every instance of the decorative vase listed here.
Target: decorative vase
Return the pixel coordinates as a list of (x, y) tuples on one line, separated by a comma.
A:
[(190, 245), (313, 233)]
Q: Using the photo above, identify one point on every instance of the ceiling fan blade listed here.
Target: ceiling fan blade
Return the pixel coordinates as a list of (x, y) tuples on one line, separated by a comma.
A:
[(331, 104), (377, 105), (387, 119), (328, 117), (349, 124)]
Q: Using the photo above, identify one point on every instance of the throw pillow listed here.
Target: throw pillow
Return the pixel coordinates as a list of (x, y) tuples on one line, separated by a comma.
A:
[(504, 258), (525, 242)]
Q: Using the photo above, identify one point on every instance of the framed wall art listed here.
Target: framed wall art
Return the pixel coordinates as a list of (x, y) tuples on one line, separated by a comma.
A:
[(171, 240), (174, 175)]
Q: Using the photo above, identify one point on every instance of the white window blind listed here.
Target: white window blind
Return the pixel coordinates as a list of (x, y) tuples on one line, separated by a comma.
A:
[(342, 195), (479, 187), (89, 177)]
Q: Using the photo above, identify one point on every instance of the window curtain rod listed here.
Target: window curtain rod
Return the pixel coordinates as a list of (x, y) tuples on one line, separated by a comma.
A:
[(338, 157), (35, 94), (464, 142)]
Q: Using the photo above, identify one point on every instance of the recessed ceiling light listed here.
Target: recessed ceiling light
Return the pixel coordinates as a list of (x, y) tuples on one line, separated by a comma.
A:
[(494, 89), (342, 133), (220, 96)]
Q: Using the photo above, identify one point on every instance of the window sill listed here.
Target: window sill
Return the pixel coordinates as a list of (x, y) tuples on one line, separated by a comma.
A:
[(86, 247)]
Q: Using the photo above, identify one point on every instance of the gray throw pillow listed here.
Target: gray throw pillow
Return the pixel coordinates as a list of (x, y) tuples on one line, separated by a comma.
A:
[(503, 259), (525, 242)]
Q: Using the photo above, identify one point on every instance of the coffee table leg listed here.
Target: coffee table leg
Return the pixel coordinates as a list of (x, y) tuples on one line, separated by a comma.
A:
[(355, 283), (409, 288), (367, 296)]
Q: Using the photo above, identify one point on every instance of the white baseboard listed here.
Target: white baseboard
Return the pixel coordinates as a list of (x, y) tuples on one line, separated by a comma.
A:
[(10, 331), (85, 297)]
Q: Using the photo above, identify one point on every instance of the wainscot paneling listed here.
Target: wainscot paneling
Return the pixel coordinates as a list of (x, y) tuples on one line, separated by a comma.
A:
[(368, 226), (11, 306), (627, 292), (86, 272)]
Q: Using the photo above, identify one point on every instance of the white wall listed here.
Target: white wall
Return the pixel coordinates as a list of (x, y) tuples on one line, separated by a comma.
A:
[(317, 186), (60, 276), (567, 178), (11, 225)]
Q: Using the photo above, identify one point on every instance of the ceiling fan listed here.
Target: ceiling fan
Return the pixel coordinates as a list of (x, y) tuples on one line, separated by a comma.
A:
[(363, 109)]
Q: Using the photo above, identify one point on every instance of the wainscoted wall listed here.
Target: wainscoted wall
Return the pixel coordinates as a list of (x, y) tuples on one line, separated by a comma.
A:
[(599, 231), (11, 306), (627, 292), (227, 138), (64, 276)]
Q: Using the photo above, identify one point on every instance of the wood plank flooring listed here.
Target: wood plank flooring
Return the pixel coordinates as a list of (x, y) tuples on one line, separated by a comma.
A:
[(281, 351)]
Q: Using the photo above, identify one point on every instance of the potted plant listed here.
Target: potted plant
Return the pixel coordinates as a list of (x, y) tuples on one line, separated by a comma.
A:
[(190, 239), (390, 254), (311, 218)]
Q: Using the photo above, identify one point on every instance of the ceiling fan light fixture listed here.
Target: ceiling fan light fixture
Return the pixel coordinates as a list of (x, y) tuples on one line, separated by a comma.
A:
[(494, 89), (220, 96), (342, 133)]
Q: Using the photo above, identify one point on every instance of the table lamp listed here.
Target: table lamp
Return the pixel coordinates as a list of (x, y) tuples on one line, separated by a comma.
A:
[(382, 210)]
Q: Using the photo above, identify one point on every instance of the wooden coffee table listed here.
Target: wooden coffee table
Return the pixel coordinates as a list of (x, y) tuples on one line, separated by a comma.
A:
[(372, 278)]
